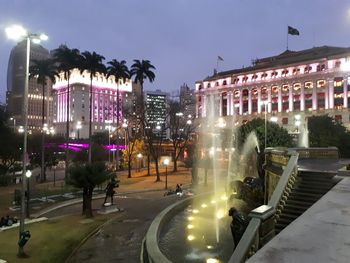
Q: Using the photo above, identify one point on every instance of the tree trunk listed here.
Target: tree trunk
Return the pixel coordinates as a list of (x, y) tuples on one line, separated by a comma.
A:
[(90, 121), (117, 141), (157, 169), (175, 162), (205, 176), (194, 174), (67, 129), (129, 166), (43, 175), (87, 200), (148, 165), (84, 200)]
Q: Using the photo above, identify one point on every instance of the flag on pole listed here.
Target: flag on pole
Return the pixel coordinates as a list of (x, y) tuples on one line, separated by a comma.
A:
[(293, 31), (220, 58)]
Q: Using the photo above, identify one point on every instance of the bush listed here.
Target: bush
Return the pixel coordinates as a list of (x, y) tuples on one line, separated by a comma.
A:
[(5, 179)]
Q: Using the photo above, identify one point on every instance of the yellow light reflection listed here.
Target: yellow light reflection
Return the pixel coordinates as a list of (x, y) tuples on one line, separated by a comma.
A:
[(223, 198), (190, 218), (209, 247), (213, 201), (195, 211), (220, 214), (204, 205), (190, 226), (190, 237), (212, 260)]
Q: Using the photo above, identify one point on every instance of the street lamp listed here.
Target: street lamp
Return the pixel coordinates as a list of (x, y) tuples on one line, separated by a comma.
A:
[(14, 123), (139, 157), (166, 163), (17, 33), (78, 126), (28, 175)]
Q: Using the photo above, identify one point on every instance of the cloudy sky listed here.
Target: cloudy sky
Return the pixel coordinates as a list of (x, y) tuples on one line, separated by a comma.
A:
[(181, 38)]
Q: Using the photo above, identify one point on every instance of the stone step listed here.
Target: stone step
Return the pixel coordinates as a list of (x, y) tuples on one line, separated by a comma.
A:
[(287, 216), (298, 193), (292, 211), (300, 203), (311, 190), (296, 208)]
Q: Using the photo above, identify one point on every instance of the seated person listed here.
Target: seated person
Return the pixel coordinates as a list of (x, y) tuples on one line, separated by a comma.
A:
[(178, 188)]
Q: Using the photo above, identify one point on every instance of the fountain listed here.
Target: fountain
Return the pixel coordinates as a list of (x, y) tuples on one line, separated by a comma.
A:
[(303, 140), (201, 232)]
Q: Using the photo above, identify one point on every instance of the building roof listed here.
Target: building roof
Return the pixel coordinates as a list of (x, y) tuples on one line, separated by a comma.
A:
[(286, 58)]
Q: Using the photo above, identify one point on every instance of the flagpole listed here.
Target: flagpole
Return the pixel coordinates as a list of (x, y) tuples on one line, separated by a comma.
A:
[(217, 64), (287, 37)]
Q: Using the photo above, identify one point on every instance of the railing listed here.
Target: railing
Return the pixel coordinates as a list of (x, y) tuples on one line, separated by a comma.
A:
[(251, 241), (318, 153)]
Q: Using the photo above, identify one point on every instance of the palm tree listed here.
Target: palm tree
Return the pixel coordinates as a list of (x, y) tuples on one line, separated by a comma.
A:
[(43, 70), (67, 59), (141, 71), (121, 73), (91, 62)]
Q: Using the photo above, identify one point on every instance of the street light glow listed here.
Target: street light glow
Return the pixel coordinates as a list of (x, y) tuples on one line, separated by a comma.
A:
[(16, 32), (28, 173)]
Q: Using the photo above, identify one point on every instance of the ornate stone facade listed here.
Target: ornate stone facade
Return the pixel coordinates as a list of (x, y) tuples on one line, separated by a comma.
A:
[(312, 82)]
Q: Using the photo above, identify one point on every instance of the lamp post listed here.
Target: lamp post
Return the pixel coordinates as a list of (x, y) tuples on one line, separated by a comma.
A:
[(14, 123), (166, 163), (78, 126), (28, 175), (139, 157), (17, 32)]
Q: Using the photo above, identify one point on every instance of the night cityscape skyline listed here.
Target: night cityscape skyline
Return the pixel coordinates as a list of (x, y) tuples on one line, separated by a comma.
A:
[(181, 35)]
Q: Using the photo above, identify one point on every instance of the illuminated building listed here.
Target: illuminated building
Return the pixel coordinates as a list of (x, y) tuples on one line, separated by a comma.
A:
[(104, 112), (156, 111), (312, 82), (15, 88)]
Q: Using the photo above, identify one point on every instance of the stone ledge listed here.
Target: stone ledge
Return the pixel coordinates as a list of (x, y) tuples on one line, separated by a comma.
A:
[(26, 222)]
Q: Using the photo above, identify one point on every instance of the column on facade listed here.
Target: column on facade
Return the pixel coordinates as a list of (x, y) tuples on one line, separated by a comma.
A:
[(280, 104), (241, 102), (302, 96), (290, 90), (259, 100), (326, 96), (228, 102), (196, 107), (345, 94), (314, 95), (204, 105), (250, 101), (220, 104), (331, 93), (269, 105)]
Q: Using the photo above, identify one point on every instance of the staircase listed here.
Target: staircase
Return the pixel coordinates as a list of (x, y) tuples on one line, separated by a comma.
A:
[(307, 190)]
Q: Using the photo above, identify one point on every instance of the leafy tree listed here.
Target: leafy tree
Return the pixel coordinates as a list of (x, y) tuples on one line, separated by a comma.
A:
[(91, 62), (324, 131), (43, 70), (181, 129), (121, 73), (66, 59), (87, 177), (277, 136), (134, 147)]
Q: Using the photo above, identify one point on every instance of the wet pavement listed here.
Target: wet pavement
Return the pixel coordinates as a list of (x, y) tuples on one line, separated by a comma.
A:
[(121, 238)]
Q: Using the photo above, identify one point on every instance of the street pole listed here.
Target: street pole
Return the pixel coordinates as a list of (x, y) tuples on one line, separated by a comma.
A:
[(166, 177), (25, 115), (28, 198)]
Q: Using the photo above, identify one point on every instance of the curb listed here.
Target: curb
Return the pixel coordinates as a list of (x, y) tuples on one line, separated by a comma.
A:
[(79, 200)]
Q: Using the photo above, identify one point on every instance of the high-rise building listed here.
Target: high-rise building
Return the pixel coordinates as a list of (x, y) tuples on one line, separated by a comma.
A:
[(187, 101), (15, 88), (156, 111), (308, 82), (105, 109)]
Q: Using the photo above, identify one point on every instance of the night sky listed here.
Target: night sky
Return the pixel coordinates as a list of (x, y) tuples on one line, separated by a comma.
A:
[(181, 38)]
